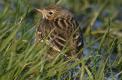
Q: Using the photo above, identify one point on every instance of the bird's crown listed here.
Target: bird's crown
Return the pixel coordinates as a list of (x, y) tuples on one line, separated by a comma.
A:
[(54, 11)]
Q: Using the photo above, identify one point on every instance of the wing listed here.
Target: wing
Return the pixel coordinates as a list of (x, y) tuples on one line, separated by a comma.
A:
[(66, 34), (61, 33)]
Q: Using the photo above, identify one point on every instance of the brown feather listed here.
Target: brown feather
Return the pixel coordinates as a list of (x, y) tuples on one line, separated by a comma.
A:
[(64, 30)]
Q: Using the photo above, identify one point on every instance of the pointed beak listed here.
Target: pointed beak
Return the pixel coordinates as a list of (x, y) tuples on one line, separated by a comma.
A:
[(39, 10), (42, 11)]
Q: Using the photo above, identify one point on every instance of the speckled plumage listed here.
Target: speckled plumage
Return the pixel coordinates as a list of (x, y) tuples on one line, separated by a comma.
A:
[(62, 30)]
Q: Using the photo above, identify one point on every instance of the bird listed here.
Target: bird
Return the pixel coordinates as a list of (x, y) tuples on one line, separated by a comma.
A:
[(59, 28)]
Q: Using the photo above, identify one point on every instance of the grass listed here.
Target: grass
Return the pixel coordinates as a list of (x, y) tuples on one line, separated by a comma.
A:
[(21, 58)]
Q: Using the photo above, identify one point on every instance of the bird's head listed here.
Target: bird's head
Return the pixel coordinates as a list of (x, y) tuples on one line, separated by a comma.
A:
[(54, 12)]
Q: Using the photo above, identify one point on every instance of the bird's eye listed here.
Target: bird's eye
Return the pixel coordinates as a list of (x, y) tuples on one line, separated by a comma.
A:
[(50, 13)]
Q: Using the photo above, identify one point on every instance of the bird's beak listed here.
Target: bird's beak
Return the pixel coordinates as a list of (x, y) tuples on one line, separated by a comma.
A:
[(42, 11), (39, 10)]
